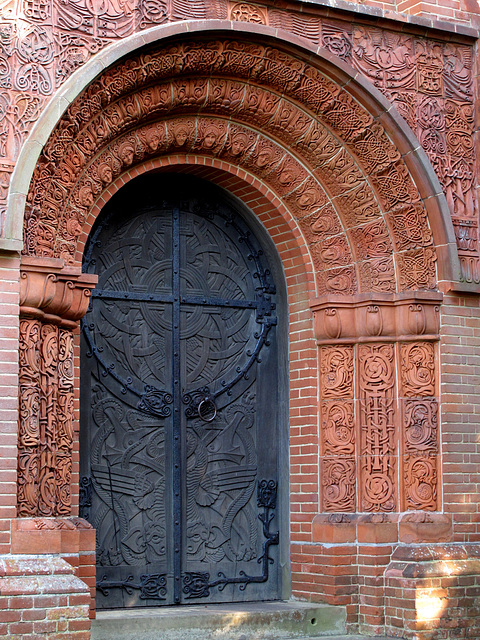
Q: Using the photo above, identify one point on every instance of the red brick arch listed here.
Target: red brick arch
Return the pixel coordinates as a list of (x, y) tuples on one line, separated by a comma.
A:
[(347, 186)]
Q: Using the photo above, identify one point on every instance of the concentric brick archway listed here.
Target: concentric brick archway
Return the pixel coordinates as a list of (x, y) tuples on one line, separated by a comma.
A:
[(357, 217), (272, 113)]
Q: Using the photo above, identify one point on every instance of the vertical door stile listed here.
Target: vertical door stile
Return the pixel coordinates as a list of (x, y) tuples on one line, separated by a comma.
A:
[(177, 418)]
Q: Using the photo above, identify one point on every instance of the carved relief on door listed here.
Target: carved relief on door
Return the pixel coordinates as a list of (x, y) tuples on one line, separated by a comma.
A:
[(180, 404)]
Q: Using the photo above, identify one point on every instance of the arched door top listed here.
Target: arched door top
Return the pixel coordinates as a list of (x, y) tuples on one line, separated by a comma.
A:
[(382, 234)]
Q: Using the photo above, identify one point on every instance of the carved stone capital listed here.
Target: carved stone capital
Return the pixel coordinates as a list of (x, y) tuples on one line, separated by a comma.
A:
[(377, 317), (52, 292)]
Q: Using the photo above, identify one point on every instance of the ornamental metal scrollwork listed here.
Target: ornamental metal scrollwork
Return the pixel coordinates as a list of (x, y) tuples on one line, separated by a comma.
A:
[(152, 586), (198, 584), (85, 496)]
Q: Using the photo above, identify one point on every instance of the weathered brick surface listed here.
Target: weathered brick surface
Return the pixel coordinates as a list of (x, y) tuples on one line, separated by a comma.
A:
[(40, 597)]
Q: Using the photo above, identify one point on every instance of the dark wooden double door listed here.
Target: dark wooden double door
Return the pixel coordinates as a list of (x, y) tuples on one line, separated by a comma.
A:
[(179, 402)]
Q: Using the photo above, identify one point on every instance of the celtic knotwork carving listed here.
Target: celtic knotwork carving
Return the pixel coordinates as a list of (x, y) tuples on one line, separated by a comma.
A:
[(338, 428), (411, 228), (418, 369), (337, 40), (417, 269), (346, 117), (395, 186), (151, 12), (376, 381), (336, 372), (372, 240), (377, 275), (338, 484), (114, 126), (386, 59), (420, 424), (375, 149), (420, 477), (245, 12)]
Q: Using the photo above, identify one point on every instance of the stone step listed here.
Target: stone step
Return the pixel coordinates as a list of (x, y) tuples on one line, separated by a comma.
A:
[(242, 621)]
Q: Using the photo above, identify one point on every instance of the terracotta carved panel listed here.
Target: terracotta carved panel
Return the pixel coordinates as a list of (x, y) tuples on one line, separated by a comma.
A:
[(338, 465), (336, 371), (52, 300), (418, 369), (376, 366), (45, 432), (29, 417), (420, 427)]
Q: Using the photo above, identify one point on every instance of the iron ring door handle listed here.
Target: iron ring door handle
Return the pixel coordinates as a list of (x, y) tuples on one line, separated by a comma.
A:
[(207, 410)]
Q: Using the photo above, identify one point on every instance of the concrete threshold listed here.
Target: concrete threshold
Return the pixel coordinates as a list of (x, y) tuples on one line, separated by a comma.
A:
[(242, 621)]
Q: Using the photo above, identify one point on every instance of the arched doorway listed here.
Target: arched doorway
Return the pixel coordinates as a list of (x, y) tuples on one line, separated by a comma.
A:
[(182, 420)]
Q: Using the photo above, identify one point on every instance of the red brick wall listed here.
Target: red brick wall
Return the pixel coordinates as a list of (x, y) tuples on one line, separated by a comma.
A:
[(9, 299), (460, 380)]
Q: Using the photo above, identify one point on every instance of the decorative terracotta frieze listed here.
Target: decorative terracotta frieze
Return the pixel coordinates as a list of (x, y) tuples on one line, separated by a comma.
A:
[(377, 317), (54, 293), (379, 439), (271, 114)]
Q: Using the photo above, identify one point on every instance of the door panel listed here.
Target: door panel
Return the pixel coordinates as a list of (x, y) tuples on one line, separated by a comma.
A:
[(179, 452)]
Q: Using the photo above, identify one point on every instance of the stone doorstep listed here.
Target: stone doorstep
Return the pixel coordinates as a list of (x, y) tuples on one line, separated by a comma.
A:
[(241, 621)]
